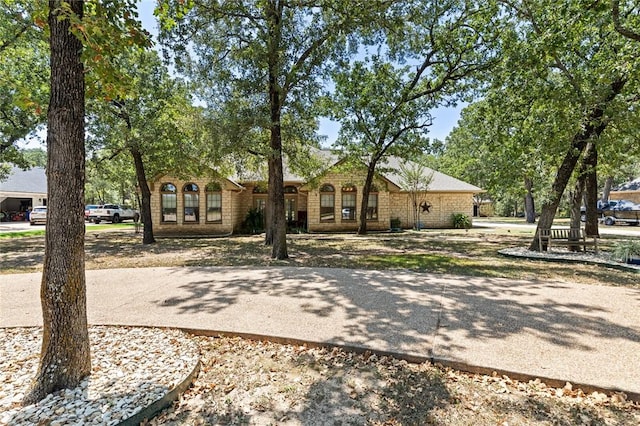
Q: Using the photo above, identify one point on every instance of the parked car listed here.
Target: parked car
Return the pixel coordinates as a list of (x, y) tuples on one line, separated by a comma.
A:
[(88, 208), (113, 213), (38, 215)]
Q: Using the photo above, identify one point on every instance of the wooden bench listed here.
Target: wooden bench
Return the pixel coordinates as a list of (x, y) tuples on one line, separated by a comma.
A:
[(570, 237)]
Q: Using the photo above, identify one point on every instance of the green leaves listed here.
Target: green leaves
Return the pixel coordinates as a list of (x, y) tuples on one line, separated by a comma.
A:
[(108, 30), (24, 75)]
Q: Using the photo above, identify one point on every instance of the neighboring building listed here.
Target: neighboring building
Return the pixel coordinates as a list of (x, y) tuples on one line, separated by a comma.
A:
[(21, 191), (627, 191), (330, 203)]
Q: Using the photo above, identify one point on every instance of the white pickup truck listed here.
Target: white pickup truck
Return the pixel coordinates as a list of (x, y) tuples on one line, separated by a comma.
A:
[(113, 213)]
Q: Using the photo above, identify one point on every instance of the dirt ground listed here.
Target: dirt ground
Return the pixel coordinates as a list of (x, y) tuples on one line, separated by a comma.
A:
[(259, 383)]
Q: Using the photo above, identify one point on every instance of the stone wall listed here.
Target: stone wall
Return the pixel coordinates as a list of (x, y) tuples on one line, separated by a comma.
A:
[(236, 202), (442, 207), (338, 180), (230, 207)]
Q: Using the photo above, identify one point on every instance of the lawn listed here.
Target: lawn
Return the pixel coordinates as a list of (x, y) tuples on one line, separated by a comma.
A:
[(460, 252)]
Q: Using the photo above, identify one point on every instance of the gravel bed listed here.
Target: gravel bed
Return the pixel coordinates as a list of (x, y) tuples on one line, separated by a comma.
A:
[(131, 369), (602, 258)]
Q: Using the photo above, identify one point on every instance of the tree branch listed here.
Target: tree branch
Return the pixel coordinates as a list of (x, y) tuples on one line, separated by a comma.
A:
[(615, 13)]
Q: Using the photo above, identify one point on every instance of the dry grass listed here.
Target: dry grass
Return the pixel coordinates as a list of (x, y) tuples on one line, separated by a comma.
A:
[(473, 253)]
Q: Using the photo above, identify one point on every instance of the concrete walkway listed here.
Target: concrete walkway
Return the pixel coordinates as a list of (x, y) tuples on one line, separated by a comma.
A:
[(586, 335)]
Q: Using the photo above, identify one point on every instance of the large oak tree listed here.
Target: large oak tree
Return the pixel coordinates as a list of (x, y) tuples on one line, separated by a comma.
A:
[(269, 56), (79, 33), (154, 121)]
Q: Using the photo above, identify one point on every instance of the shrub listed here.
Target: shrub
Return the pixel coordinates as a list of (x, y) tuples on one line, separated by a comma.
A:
[(254, 222), (461, 221), (625, 250)]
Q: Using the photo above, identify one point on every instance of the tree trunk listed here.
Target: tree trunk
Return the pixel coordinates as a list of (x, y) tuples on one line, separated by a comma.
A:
[(147, 223), (529, 205), (277, 227), (576, 202), (575, 197), (364, 205), (590, 161), (608, 184), (65, 357), (594, 125), (276, 197)]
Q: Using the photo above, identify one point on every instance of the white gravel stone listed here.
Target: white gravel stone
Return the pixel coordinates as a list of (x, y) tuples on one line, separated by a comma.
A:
[(131, 368)]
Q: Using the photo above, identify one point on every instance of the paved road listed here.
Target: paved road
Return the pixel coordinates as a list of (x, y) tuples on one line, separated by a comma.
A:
[(587, 335), (621, 230), (20, 226)]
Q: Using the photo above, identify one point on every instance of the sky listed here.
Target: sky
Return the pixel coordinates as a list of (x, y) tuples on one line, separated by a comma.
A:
[(444, 118)]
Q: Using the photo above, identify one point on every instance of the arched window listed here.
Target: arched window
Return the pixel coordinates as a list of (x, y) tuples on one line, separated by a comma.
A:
[(327, 203), (260, 188), (290, 189), (191, 203), (214, 202), (349, 202), (372, 204), (169, 202)]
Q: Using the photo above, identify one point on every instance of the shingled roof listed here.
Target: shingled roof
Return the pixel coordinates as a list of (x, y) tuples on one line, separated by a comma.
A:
[(439, 183), (27, 181), (390, 170)]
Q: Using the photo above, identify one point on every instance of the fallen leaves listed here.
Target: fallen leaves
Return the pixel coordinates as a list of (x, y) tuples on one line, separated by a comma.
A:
[(252, 382)]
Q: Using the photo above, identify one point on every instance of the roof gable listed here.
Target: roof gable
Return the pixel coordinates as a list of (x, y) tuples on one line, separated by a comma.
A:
[(440, 182)]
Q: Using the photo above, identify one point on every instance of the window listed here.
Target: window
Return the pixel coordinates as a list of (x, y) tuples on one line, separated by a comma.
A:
[(191, 200), (214, 202), (290, 210), (261, 204), (372, 204), (169, 202), (290, 203), (349, 202), (260, 188), (327, 203)]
